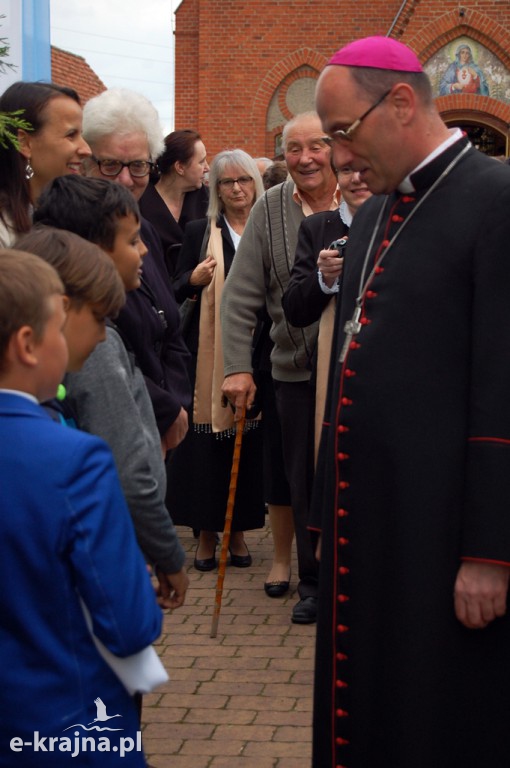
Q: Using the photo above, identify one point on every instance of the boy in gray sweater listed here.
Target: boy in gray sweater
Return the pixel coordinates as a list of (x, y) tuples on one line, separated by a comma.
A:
[(109, 395)]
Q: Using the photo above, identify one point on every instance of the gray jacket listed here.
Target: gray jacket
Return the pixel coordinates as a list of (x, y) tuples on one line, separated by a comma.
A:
[(110, 399), (258, 276)]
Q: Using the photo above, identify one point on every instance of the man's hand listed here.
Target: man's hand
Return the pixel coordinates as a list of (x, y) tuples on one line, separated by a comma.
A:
[(239, 389), (480, 593), (172, 587), (176, 432)]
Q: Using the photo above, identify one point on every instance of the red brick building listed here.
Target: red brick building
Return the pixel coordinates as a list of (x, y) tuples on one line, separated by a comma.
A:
[(73, 71), (242, 69)]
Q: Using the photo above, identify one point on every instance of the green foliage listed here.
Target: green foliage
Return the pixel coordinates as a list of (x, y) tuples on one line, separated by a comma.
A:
[(4, 52), (10, 122)]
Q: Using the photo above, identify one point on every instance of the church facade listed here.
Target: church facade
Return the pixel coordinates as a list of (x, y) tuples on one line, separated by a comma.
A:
[(243, 69)]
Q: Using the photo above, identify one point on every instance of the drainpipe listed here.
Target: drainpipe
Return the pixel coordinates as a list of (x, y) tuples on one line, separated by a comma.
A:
[(393, 24)]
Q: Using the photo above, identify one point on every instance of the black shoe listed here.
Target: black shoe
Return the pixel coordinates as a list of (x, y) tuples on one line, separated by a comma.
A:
[(305, 612), (240, 561), (207, 564), (276, 588)]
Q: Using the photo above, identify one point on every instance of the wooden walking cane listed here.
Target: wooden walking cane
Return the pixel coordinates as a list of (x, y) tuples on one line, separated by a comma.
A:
[(225, 542)]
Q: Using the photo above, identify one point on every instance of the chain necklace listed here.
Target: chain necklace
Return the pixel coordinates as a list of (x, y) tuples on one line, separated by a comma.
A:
[(353, 326)]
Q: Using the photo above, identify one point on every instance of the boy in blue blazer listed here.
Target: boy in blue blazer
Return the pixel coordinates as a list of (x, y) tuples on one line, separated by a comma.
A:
[(64, 527)]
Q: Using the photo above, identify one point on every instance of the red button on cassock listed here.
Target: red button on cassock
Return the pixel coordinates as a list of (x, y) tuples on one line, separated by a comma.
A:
[(343, 541), (342, 513), (343, 570), (341, 684)]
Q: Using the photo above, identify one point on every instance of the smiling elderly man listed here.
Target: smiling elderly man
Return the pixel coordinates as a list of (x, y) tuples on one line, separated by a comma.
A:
[(258, 277)]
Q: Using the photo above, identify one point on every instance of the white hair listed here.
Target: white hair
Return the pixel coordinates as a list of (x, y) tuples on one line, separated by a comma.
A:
[(121, 111), (265, 161), (242, 160), (303, 117)]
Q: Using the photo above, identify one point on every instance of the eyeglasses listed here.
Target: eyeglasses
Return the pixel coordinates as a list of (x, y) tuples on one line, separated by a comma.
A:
[(243, 181), (345, 134), (137, 168)]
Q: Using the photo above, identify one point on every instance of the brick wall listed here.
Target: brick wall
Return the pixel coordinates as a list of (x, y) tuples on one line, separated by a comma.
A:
[(236, 59), (72, 71)]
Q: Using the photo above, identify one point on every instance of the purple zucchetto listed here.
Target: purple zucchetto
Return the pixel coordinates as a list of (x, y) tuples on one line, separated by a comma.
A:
[(379, 53)]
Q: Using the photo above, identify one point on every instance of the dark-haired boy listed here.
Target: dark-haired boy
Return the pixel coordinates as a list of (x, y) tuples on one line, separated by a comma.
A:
[(109, 395)]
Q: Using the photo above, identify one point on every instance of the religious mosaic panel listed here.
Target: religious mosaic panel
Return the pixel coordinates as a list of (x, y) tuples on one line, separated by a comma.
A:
[(466, 66)]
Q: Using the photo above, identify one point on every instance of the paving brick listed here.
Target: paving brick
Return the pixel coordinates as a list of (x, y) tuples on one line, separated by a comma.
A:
[(303, 719), (221, 716), (244, 762), (227, 747)]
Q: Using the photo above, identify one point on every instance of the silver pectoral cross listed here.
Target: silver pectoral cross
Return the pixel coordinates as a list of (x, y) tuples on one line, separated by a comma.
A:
[(351, 328)]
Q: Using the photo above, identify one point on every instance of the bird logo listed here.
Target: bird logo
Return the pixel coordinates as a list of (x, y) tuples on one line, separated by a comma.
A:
[(102, 716)]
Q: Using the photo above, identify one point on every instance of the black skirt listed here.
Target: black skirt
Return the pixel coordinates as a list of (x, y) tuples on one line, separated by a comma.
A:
[(199, 480)]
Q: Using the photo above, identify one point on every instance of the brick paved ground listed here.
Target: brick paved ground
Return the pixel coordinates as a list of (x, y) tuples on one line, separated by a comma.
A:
[(244, 698)]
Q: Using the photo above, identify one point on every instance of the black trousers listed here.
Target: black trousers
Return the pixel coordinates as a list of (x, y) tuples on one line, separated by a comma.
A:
[(295, 402)]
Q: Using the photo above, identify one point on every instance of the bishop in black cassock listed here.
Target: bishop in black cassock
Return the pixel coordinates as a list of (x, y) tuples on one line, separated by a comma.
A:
[(412, 495)]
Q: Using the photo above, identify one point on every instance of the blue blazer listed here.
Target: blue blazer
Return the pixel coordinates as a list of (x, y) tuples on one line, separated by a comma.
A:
[(64, 530)]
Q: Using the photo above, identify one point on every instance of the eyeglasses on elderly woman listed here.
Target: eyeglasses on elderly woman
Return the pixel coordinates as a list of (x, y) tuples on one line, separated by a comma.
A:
[(137, 168), (243, 181)]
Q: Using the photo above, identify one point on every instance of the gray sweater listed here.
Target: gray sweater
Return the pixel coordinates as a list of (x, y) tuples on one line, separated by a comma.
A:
[(258, 276), (110, 399)]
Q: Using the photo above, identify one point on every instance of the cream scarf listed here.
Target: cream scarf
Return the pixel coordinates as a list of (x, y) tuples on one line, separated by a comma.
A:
[(207, 408), (324, 341)]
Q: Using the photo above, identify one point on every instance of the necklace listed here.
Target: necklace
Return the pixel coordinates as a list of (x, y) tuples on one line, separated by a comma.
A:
[(353, 326)]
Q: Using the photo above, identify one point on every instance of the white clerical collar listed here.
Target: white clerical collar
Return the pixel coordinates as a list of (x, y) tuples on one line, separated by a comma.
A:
[(406, 185)]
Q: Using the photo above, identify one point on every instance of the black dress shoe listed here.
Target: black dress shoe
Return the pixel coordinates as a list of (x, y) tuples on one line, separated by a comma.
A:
[(276, 588), (305, 612), (206, 564), (240, 561)]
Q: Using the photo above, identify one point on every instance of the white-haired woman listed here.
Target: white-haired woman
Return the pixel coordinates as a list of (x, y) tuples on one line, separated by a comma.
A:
[(199, 471), (125, 137)]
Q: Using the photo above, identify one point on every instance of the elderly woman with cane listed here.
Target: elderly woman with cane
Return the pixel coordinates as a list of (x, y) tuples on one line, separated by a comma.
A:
[(199, 470)]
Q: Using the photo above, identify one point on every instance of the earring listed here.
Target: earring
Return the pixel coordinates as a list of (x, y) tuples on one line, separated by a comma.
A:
[(29, 171)]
